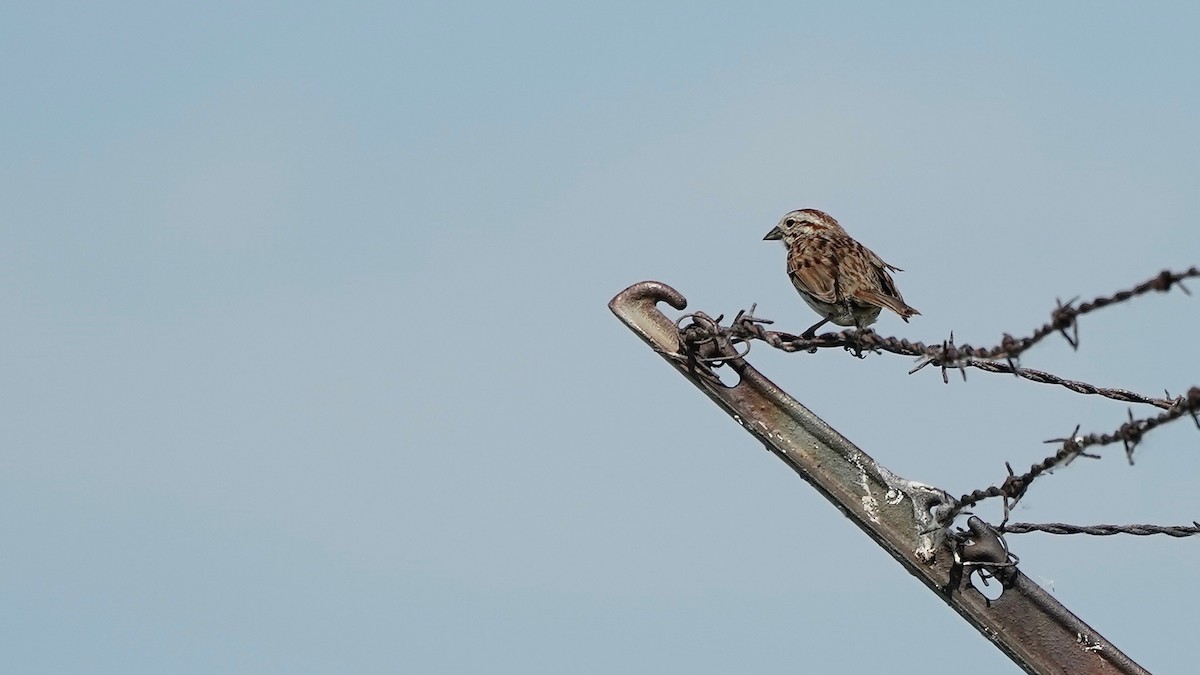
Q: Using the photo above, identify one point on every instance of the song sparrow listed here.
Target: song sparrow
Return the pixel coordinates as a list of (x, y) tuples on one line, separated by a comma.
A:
[(844, 281)]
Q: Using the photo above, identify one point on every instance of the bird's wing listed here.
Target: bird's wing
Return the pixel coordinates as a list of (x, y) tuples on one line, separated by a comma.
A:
[(814, 275)]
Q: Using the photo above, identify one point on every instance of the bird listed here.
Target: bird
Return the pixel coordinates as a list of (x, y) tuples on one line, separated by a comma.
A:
[(842, 280)]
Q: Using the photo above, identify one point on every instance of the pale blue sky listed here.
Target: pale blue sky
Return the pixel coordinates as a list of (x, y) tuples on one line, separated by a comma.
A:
[(308, 369)]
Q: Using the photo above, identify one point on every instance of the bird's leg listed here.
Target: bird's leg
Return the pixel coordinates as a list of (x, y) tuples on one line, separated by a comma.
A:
[(808, 334), (850, 309)]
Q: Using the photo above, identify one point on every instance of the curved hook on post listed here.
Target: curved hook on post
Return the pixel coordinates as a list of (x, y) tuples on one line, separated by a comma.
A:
[(637, 307)]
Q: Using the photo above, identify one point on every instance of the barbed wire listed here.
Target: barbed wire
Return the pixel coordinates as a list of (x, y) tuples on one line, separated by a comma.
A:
[(1000, 358), (705, 340), (1074, 446)]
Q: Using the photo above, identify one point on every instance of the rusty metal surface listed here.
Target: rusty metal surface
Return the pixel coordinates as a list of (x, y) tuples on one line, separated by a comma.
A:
[(902, 516)]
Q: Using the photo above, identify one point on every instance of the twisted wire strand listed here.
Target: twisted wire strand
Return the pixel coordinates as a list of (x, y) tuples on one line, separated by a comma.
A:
[(1073, 446), (1000, 358), (1103, 530)]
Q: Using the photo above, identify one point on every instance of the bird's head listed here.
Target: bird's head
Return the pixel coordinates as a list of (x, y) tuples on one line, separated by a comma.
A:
[(802, 223)]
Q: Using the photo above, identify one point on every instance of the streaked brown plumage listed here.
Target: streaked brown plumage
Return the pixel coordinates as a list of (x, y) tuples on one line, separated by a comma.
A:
[(844, 281)]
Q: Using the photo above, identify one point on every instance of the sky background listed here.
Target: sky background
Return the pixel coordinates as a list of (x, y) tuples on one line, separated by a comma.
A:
[(307, 365)]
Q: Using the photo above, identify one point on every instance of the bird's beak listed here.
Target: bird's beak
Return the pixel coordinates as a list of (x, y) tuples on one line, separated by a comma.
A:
[(774, 235)]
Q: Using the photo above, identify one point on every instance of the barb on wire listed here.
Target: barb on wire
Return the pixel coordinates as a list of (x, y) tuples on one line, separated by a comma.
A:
[(1103, 530), (1075, 445), (706, 341), (948, 356)]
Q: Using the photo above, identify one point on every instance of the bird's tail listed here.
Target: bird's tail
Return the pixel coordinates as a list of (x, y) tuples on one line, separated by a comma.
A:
[(894, 303)]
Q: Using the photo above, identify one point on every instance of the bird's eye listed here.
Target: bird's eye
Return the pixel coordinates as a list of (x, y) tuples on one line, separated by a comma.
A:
[(789, 222)]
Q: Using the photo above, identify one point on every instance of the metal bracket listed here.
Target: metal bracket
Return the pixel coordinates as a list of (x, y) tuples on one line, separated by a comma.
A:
[(904, 517)]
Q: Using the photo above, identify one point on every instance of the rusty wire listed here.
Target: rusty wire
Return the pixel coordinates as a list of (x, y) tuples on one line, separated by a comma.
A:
[(1001, 358), (1073, 446), (950, 356)]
